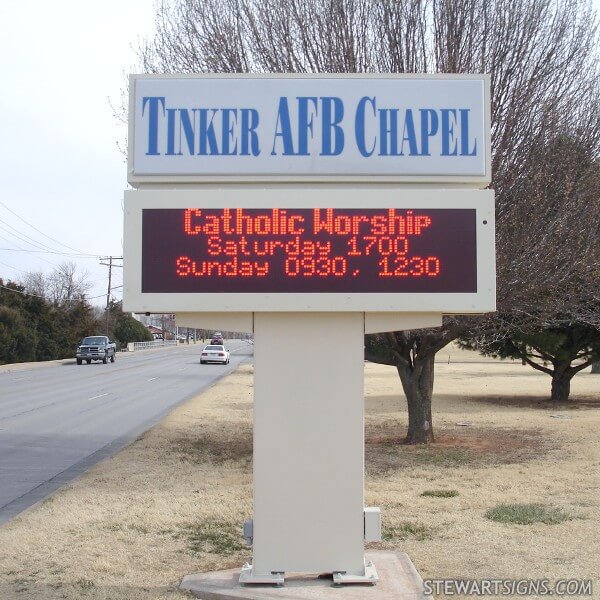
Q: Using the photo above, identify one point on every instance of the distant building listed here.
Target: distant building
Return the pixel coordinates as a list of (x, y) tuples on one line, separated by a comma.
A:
[(157, 333)]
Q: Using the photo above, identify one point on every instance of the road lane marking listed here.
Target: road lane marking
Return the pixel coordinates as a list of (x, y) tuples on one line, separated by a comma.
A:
[(100, 396), (152, 379)]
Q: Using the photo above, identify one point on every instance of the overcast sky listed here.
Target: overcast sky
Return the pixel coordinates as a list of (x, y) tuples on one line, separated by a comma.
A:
[(61, 171), (62, 174)]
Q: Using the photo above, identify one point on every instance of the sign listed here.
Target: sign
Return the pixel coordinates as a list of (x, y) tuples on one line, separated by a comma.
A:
[(284, 201), (308, 250), (318, 249), (317, 127)]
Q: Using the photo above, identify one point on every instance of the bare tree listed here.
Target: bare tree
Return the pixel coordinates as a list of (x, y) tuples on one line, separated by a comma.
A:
[(554, 325), (543, 62), (36, 283), (550, 236), (65, 284)]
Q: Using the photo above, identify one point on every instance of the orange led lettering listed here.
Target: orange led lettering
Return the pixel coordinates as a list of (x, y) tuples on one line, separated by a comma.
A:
[(356, 221), (309, 250), (320, 224), (421, 222), (183, 266), (187, 221)]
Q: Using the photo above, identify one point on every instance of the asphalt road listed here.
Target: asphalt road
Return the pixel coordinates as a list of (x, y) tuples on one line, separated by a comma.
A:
[(56, 421)]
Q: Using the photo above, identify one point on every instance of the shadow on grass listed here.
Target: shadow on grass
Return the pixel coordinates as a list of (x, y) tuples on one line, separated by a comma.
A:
[(472, 447), (219, 443), (216, 445), (223, 538), (536, 402)]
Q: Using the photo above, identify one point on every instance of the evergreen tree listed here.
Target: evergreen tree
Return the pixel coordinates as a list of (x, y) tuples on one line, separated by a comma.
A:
[(129, 329), (33, 329), (17, 339), (560, 352)]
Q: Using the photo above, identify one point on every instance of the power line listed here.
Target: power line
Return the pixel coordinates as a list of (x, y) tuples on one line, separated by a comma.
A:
[(44, 234), (23, 237), (44, 298), (94, 256), (19, 249), (11, 267), (20, 237), (27, 272), (96, 280)]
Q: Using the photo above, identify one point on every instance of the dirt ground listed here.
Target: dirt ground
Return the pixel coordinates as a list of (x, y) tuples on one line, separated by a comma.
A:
[(173, 502)]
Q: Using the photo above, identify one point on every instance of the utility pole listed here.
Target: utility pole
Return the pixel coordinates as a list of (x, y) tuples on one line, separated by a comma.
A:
[(110, 266)]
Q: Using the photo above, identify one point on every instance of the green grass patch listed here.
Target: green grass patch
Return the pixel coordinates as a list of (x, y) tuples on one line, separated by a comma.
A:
[(527, 514), (404, 531), (216, 537), (440, 493)]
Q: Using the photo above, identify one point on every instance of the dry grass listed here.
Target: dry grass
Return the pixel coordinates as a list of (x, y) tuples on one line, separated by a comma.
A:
[(173, 502), (510, 452)]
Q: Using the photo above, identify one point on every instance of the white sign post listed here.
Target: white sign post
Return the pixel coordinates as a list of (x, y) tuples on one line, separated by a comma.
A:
[(293, 207), (309, 447)]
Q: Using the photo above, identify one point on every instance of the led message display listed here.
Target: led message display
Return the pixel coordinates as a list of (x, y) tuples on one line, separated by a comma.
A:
[(316, 250)]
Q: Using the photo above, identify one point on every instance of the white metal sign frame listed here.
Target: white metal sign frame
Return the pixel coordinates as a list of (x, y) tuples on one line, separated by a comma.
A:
[(307, 196), (343, 127)]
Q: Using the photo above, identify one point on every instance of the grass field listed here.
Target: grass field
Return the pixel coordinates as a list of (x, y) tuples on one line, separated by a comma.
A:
[(510, 489)]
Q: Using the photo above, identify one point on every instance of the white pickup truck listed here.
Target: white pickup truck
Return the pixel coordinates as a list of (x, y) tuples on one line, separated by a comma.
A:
[(96, 347)]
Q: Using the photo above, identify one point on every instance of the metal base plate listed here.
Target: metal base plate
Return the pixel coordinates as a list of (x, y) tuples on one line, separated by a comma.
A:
[(370, 577), (247, 576)]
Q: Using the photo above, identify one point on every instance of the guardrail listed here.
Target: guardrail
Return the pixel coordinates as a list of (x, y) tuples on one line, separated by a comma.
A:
[(153, 344)]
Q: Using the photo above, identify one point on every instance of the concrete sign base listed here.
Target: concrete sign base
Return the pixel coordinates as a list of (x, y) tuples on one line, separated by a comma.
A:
[(398, 578)]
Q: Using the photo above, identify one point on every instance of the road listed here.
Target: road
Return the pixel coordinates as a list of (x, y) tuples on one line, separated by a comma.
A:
[(57, 421)]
